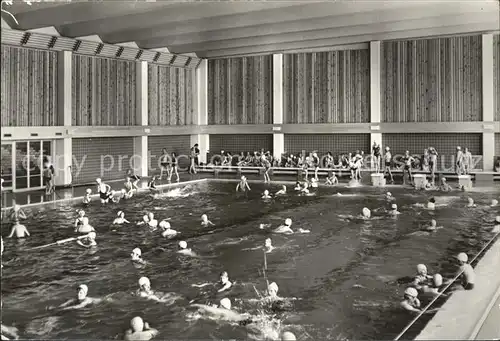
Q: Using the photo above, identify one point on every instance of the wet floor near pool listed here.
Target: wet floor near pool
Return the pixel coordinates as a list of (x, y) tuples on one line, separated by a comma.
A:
[(348, 276)]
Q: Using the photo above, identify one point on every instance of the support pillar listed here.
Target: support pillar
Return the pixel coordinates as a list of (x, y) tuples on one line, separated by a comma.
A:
[(488, 103), (64, 147), (201, 117), (278, 138), (140, 159), (375, 76)]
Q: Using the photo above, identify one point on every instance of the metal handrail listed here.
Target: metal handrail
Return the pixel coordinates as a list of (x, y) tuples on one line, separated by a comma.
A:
[(408, 326)]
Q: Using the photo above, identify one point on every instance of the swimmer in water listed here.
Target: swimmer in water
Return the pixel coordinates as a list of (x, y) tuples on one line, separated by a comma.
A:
[(433, 226), (445, 187), (129, 188), (305, 189), (205, 222), (286, 228), (89, 241), (243, 186), (183, 249), (394, 210), (152, 222), (146, 292), (139, 330), (145, 220), (431, 204), (84, 227), (366, 213), (152, 184), (314, 183), (222, 285), (87, 198), (298, 187), (470, 203), (79, 219), (221, 312), (81, 301), (435, 287), (466, 272), (122, 194), (120, 219), (104, 191), (268, 246), (20, 230), (494, 203), (136, 256), (422, 278), (411, 302), (266, 195), (282, 191), (332, 179), (288, 336), (167, 231), (389, 196)]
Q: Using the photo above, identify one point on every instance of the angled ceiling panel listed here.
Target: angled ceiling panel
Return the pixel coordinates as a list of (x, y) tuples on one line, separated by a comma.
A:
[(64, 44), (128, 53), (38, 41), (148, 56), (87, 47), (109, 50), (180, 61), (165, 58)]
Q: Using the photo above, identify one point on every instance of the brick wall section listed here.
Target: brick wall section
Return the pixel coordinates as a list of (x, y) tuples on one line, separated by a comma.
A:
[(323, 143)]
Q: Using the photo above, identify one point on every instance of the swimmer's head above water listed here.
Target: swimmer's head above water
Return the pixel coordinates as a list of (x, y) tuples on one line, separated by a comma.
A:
[(462, 258), (165, 225), (433, 223), (288, 222), (151, 215), (225, 303), (98, 180), (144, 284), (470, 201), (136, 253), (266, 192), (494, 203), (268, 242), (82, 291), (394, 207), (411, 293), (137, 324), (88, 191), (120, 214), (224, 277), (92, 235), (81, 213), (438, 280), (422, 269), (204, 218), (366, 212), (272, 289), (183, 245)]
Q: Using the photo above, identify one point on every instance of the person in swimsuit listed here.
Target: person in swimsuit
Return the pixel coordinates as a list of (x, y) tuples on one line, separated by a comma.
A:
[(466, 271), (329, 162), (164, 163), (129, 188), (425, 160), (89, 241), (136, 256), (243, 186), (134, 178), (87, 198), (174, 169), (460, 161), (120, 219), (388, 163), (433, 154), (422, 278), (468, 162), (104, 191), (315, 163), (139, 330), (152, 185), (407, 160), (194, 152), (205, 222), (48, 177), (17, 228), (81, 301), (376, 156), (79, 219), (267, 166)]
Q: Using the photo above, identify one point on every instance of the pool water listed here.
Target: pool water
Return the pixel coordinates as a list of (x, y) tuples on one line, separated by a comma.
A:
[(347, 275)]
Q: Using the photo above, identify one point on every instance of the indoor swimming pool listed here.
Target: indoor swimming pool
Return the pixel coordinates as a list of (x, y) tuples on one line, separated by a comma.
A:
[(347, 275)]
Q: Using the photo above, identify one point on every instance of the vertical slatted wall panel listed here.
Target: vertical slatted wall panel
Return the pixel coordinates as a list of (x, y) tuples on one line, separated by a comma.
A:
[(432, 80), (236, 144), (28, 87), (497, 144), (496, 75), (179, 144), (327, 87), (104, 91), (323, 143), (240, 90), (171, 92)]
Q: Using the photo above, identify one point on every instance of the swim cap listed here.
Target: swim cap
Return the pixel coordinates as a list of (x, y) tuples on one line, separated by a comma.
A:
[(389, 194), (81, 212), (164, 224), (144, 281), (288, 336), (394, 206), (494, 202), (273, 287), (366, 212), (183, 244), (411, 292), (119, 213), (145, 217), (288, 221), (84, 287), (421, 268), (225, 303), (88, 191), (137, 251), (92, 235), (137, 324), (266, 192), (470, 199), (444, 179), (268, 241), (387, 148), (462, 257), (243, 177), (204, 216), (98, 180), (438, 280)]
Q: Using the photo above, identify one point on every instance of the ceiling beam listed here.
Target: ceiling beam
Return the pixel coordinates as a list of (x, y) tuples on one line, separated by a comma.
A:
[(476, 28), (334, 32), (325, 22), (296, 11), (177, 13)]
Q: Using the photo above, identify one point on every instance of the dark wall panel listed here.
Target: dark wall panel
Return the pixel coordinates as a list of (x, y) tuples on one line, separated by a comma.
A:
[(104, 91), (497, 144), (236, 144), (327, 87), (496, 76), (323, 143), (179, 144), (240, 90), (28, 87), (103, 157), (171, 95), (432, 80)]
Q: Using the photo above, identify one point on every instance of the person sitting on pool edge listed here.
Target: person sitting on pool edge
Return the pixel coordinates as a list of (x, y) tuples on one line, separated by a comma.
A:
[(84, 227), (139, 330), (89, 241), (466, 272), (104, 191), (282, 191), (266, 195), (136, 256), (167, 231), (81, 301), (120, 219), (87, 198), (243, 186), (205, 222), (183, 249)]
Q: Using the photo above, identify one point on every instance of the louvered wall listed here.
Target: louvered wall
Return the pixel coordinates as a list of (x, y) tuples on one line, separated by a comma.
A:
[(496, 75), (240, 90), (327, 87), (323, 143), (171, 96), (179, 144), (104, 91), (28, 87), (432, 80), (108, 158), (235, 144)]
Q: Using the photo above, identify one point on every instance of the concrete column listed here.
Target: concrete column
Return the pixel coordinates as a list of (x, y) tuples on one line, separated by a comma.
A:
[(488, 103), (278, 145), (375, 114), (141, 156), (64, 147), (201, 116), (278, 138)]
